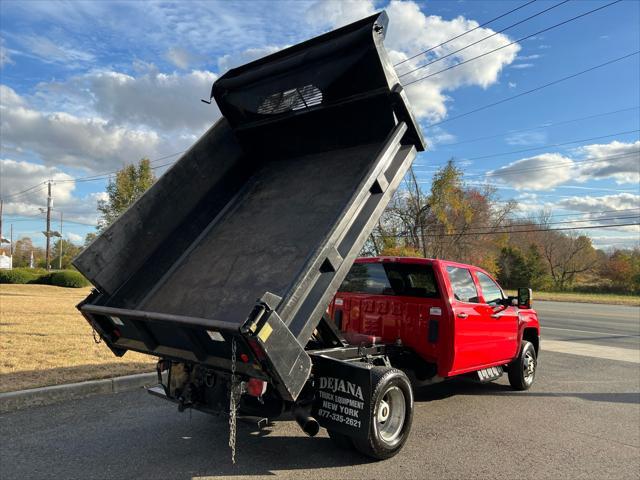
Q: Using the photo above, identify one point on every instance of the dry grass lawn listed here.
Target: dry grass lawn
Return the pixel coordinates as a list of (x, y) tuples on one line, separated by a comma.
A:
[(45, 341)]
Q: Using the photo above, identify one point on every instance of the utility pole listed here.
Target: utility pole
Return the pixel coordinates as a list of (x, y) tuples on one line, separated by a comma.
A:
[(60, 245), (48, 232), (11, 240)]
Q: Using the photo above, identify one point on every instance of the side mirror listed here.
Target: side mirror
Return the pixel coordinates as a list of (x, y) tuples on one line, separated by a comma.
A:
[(525, 297)]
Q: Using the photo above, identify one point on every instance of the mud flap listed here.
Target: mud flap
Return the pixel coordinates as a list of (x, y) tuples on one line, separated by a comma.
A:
[(342, 396)]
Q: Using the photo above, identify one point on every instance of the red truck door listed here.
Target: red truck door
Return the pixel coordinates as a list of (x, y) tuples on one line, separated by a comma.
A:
[(502, 323), (470, 324)]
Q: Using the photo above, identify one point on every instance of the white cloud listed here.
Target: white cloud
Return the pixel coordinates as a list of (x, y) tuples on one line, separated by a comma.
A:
[(411, 31), (627, 203), (74, 238), (64, 139), (512, 84), (228, 61), (587, 204), (154, 99), (5, 57), (329, 14), (49, 51), (526, 138), (617, 160), (535, 56), (180, 57), (18, 176), (541, 172), (522, 66)]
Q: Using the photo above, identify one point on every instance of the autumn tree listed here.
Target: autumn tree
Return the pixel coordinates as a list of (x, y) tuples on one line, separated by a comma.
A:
[(622, 268), (451, 220), (123, 190), (22, 252), (566, 256)]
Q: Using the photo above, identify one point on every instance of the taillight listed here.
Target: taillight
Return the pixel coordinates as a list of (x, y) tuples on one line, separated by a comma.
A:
[(256, 387), (257, 350)]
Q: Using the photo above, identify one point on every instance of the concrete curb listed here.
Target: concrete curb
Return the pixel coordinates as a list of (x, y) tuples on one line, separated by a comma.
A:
[(11, 401)]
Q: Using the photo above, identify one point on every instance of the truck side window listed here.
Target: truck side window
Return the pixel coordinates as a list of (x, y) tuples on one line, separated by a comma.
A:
[(490, 289), (464, 288), (389, 278), (366, 278)]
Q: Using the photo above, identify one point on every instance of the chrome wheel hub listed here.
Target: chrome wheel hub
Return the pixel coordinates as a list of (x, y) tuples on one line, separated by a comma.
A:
[(529, 367), (391, 415)]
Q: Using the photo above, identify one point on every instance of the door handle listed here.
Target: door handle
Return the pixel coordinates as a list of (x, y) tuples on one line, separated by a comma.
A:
[(461, 315), (496, 315)]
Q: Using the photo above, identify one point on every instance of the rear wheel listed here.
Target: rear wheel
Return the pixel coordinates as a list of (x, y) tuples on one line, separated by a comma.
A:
[(522, 371), (391, 414)]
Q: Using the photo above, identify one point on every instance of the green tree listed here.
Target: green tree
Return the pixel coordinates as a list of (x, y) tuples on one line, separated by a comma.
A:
[(69, 252), (536, 276), (90, 237), (512, 268), (128, 185)]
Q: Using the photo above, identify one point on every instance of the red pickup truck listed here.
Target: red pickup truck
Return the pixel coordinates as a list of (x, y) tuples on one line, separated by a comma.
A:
[(446, 318)]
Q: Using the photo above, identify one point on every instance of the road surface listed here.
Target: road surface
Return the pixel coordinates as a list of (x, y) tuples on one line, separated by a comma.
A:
[(581, 420)]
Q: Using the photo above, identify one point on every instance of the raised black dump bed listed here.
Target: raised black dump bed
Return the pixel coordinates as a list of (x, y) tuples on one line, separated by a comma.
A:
[(245, 239)]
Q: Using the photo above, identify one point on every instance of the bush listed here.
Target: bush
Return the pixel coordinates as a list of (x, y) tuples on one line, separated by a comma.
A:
[(64, 278), (17, 276), (61, 278)]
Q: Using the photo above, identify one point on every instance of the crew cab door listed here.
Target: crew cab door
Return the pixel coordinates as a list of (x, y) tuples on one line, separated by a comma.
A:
[(501, 322), (470, 324)]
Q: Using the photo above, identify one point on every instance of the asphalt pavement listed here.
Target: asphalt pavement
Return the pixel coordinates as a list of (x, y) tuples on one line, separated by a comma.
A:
[(580, 420)]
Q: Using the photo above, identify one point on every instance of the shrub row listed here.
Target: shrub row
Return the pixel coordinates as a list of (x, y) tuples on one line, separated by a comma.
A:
[(61, 278)]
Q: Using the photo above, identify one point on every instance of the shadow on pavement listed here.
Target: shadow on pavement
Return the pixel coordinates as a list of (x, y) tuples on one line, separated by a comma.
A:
[(463, 386)]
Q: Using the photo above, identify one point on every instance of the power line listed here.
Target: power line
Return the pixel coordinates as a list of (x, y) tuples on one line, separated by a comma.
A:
[(544, 167), (101, 176), (26, 190), (515, 223), (554, 82), (506, 45), (464, 33), (545, 125), (553, 145), (593, 213), (514, 231), (483, 39)]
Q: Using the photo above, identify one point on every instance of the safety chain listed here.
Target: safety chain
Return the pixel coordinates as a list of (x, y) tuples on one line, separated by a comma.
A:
[(96, 337), (233, 400)]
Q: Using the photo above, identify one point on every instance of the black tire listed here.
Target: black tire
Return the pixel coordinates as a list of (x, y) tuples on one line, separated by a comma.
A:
[(392, 392), (341, 440), (522, 371)]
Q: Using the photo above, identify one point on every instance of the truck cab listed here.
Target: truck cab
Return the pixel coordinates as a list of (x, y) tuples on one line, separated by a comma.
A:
[(447, 318)]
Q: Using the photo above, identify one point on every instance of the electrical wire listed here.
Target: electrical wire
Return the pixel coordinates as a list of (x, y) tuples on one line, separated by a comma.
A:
[(513, 231), (436, 60), (465, 33), (536, 89), (504, 46), (539, 127), (550, 145)]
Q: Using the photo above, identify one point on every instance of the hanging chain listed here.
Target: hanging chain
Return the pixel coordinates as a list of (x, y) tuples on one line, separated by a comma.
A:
[(233, 408), (96, 337)]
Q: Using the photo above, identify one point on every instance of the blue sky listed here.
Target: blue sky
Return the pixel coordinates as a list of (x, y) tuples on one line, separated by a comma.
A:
[(89, 86)]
